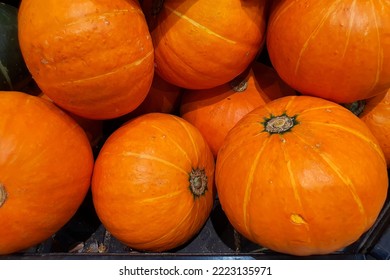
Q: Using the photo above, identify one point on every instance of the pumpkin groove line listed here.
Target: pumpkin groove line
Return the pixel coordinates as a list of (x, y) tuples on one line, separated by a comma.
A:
[(347, 182), (170, 231), (177, 145), (197, 24), (37, 156), (349, 30), (249, 186), (351, 131), (314, 33), (173, 52), (321, 108), (380, 50), (285, 9), (149, 157), (300, 211), (194, 146), (114, 71), (165, 196)]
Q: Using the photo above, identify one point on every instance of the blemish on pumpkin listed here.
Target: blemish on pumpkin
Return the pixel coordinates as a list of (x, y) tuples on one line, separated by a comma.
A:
[(44, 61), (198, 182), (3, 195), (297, 219)]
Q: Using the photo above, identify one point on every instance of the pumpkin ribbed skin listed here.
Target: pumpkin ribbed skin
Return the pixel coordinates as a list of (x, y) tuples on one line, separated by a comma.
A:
[(141, 184), (312, 189), (215, 111), (337, 50), (199, 45), (376, 115), (46, 165), (93, 58)]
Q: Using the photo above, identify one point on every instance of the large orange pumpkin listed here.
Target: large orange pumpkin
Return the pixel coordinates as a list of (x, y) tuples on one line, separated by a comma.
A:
[(199, 44), (153, 182), (301, 175), (93, 58), (375, 112), (215, 111), (46, 165), (337, 50)]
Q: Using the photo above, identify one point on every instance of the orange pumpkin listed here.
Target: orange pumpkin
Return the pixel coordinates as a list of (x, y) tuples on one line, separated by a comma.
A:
[(163, 97), (152, 185), (375, 113), (337, 50), (301, 175), (92, 58), (199, 45), (215, 111), (46, 164)]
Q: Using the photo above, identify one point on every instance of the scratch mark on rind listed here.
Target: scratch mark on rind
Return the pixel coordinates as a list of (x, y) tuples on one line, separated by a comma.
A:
[(249, 185), (193, 22)]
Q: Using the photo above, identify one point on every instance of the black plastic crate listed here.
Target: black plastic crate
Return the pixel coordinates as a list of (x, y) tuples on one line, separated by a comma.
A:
[(84, 237)]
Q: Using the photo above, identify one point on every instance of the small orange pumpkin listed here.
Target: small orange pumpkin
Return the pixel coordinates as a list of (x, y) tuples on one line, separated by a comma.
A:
[(375, 113), (199, 45), (301, 175), (215, 111), (153, 182), (46, 164), (92, 58), (337, 50)]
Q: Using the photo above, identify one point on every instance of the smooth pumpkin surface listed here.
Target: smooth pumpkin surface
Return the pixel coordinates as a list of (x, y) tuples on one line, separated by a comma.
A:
[(14, 74), (215, 111), (302, 176), (337, 50), (375, 113), (92, 58), (199, 45), (46, 166), (153, 182)]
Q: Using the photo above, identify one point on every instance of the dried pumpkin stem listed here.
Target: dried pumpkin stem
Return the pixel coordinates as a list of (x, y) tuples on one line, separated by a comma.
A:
[(3, 194), (279, 124), (198, 182)]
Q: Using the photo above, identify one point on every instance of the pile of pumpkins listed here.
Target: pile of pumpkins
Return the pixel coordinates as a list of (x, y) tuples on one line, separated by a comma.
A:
[(203, 114)]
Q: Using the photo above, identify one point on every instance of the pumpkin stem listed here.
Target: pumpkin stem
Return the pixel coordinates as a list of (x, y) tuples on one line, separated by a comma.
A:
[(356, 107), (3, 194), (198, 182), (279, 124), (239, 85)]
